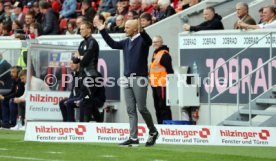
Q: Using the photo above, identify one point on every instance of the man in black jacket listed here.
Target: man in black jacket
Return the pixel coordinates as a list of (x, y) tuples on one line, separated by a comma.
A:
[(67, 105), (166, 8), (212, 21), (49, 19), (9, 108), (87, 11), (88, 53)]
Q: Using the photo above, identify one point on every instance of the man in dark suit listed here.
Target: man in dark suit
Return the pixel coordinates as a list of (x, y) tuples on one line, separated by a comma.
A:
[(242, 13)]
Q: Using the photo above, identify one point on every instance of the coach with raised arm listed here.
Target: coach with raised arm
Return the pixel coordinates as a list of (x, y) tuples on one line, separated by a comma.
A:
[(136, 50)]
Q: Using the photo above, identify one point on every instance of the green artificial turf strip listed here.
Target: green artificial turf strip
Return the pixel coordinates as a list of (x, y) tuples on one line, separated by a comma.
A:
[(17, 149)]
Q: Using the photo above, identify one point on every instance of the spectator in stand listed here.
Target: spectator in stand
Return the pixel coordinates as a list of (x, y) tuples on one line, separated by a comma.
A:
[(30, 19), (261, 15), (156, 13), (34, 30), (121, 9), (160, 66), (119, 25), (71, 28), (56, 5), (166, 8), (212, 21), (97, 18), (242, 13), (190, 4), (145, 19), (108, 6), (2, 11), (6, 29), (147, 6), (68, 9), (50, 22), (268, 18), (79, 21), (18, 12), (136, 5), (9, 108), (38, 14), (16, 26), (125, 3), (132, 15), (8, 13), (1, 28), (87, 11)]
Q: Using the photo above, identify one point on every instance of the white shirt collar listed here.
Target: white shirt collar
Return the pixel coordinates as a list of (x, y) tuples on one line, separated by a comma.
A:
[(134, 37)]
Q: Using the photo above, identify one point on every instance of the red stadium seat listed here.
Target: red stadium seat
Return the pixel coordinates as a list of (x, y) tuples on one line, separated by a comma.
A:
[(63, 24), (25, 9)]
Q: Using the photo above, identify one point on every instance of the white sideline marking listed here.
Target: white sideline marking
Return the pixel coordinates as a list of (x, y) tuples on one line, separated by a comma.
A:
[(108, 156), (54, 152), (159, 160), (25, 158), (4, 149)]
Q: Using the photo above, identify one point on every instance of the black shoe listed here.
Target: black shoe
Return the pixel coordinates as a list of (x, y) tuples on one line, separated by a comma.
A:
[(6, 126), (130, 143), (152, 139)]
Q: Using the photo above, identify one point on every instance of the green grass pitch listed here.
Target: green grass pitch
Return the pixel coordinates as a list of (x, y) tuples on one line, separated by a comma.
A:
[(14, 148)]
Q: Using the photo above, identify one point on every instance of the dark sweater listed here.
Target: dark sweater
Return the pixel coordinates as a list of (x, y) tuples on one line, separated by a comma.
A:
[(17, 90), (214, 24), (89, 49), (135, 52)]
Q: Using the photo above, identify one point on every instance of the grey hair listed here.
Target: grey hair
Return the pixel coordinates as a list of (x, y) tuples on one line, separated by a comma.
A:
[(245, 5), (164, 2), (159, 37)]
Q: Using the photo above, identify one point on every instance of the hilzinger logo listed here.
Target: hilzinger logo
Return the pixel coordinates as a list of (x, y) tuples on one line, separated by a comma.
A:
[(203, 133), (80, 130), (45, 98), (120, 131), (263, 135)]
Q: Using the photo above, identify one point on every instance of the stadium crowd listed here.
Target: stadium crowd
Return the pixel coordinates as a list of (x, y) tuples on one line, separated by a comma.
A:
[(53, 17)]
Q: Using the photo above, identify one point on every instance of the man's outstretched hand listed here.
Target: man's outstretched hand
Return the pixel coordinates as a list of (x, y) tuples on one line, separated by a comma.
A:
[(99, 25)]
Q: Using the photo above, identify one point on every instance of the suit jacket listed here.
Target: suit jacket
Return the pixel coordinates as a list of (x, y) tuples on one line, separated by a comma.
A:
[(248, 20)]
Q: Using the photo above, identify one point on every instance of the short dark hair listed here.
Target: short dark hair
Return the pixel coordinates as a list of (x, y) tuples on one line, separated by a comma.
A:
[(211, 9), (87, 24), (88, 2), (44, 5), (146, 16), (18, 68), (32, 13), (101, 17)]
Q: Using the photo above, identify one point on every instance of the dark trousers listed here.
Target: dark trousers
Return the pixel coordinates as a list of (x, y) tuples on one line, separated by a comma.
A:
[(163, 112), (13, 111), (5, 112), (88, 108), (67, 109)]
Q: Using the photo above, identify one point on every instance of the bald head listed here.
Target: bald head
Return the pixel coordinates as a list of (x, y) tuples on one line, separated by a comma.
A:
[(131, 28)]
